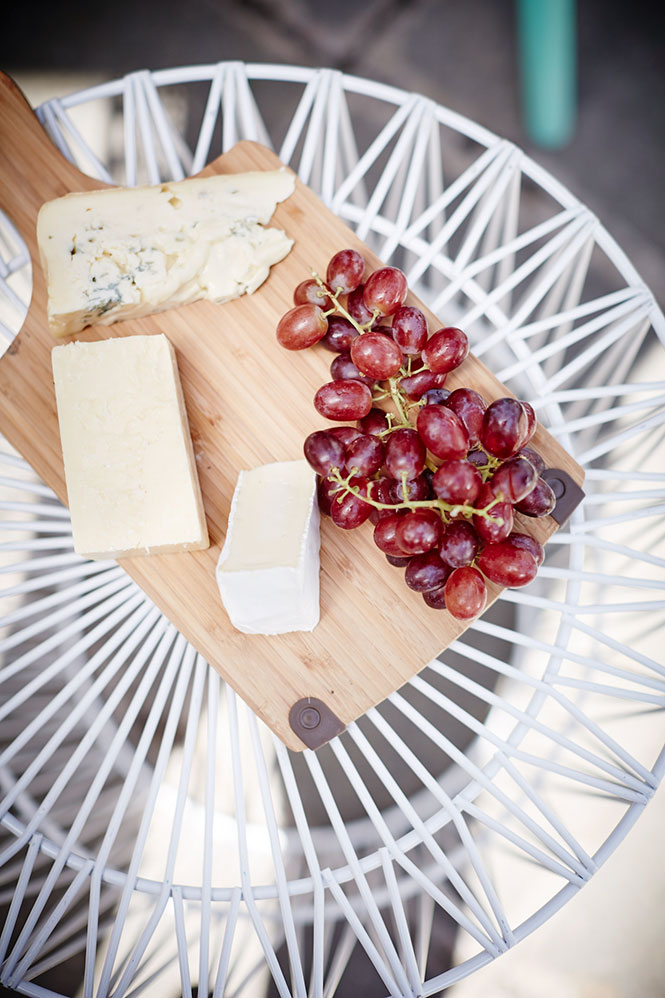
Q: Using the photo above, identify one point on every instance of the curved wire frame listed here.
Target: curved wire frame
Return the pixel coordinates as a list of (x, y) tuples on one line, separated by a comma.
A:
[(153, 835)]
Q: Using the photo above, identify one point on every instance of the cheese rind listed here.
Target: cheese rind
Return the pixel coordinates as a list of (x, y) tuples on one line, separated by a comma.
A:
[(130, 469), (268, 569), (123, 253)]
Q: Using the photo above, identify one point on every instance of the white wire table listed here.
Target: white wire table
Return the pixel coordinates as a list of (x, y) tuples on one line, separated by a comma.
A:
[(155, 838)]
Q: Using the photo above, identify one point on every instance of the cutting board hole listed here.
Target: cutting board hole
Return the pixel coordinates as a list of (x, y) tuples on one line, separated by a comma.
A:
[(15, 282)]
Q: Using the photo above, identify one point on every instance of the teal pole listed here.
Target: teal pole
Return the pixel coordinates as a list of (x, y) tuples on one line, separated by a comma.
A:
[(548, 69)]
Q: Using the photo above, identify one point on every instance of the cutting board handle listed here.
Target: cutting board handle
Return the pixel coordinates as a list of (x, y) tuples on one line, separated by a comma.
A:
[(32, 168)]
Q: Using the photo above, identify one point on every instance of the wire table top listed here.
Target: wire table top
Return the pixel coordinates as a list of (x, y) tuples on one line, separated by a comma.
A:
[(154, 836)]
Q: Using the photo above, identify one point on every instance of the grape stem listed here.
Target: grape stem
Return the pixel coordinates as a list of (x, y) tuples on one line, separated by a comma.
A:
[(396, 396), (487, 470), (338, 307), (447, 510)]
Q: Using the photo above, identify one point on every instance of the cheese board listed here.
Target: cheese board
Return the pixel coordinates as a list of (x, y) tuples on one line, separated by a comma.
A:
[(249, 402)]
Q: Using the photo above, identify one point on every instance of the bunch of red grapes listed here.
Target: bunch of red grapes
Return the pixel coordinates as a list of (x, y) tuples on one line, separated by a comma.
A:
[(441, 474)]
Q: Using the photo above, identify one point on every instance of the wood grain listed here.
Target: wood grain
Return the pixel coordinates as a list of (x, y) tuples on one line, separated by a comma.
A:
[(249, 402)]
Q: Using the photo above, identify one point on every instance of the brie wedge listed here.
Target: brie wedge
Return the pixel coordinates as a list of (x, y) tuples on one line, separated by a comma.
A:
[(130, 471), (268, 569), (122, 253)]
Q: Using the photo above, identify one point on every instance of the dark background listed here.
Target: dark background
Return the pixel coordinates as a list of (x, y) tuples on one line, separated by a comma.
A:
[(461, 53)]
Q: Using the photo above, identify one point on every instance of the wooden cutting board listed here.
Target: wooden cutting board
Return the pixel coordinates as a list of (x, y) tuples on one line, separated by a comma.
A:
[(249, 402)]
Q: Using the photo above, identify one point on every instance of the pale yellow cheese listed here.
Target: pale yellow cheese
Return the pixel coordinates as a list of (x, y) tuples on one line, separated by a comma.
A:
[(130, 470), (122, 253)]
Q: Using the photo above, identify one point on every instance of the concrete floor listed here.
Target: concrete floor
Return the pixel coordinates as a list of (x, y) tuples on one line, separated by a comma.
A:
[(462, 55)]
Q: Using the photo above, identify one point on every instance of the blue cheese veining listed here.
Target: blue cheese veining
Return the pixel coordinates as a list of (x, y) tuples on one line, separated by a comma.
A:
[(127, 252)]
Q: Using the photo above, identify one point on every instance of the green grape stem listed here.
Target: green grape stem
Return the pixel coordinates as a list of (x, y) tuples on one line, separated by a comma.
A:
[(339, 307), (447, 511), (487, 470), (398, 401)]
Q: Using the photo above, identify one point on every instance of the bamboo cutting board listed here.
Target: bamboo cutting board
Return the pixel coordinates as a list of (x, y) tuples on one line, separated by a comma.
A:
[(249, 402)]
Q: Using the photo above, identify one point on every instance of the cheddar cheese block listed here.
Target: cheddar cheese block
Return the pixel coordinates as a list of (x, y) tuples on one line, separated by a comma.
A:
[(130, 469)]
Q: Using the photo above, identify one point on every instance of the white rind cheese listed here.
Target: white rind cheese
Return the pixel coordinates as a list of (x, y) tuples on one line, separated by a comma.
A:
[(130, 470), (268, 569), (122, 253)]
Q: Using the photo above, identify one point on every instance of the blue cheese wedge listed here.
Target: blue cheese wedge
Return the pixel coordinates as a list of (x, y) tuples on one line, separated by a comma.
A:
[(268, 569), (130, 471), (122, 253)]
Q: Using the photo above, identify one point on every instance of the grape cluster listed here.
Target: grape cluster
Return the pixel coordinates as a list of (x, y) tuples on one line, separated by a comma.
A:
[(438, 473)]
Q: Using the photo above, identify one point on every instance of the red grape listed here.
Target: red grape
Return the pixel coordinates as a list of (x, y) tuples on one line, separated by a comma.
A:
[(515, 479), (414, 386), (477, 457), (427, 476), (381, 491), (385, 290), (356, 307), (345, 271), (529, 544), (343, 369), (531, 421), (310, 293), (405, 454), (507, 565), (459, 543), (437, 396), (398, 562), (345, 434), (442, 432), (365, 454), (349, 511), (323, 452), (426, 571), (375, 422), (497, 529), (446, 349), (534, 457), (326, 490), (341, 334), (409, 330), (457, 481), (419, 531), (376, 355), (470, 407), (416, 488), (385, 536), (540, 501), (504, 427), (465, 593), (343, 400), (436, 598), (301, 327)]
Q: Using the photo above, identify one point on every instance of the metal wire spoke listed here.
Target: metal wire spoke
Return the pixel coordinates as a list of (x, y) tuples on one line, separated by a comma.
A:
[(155, 838)]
